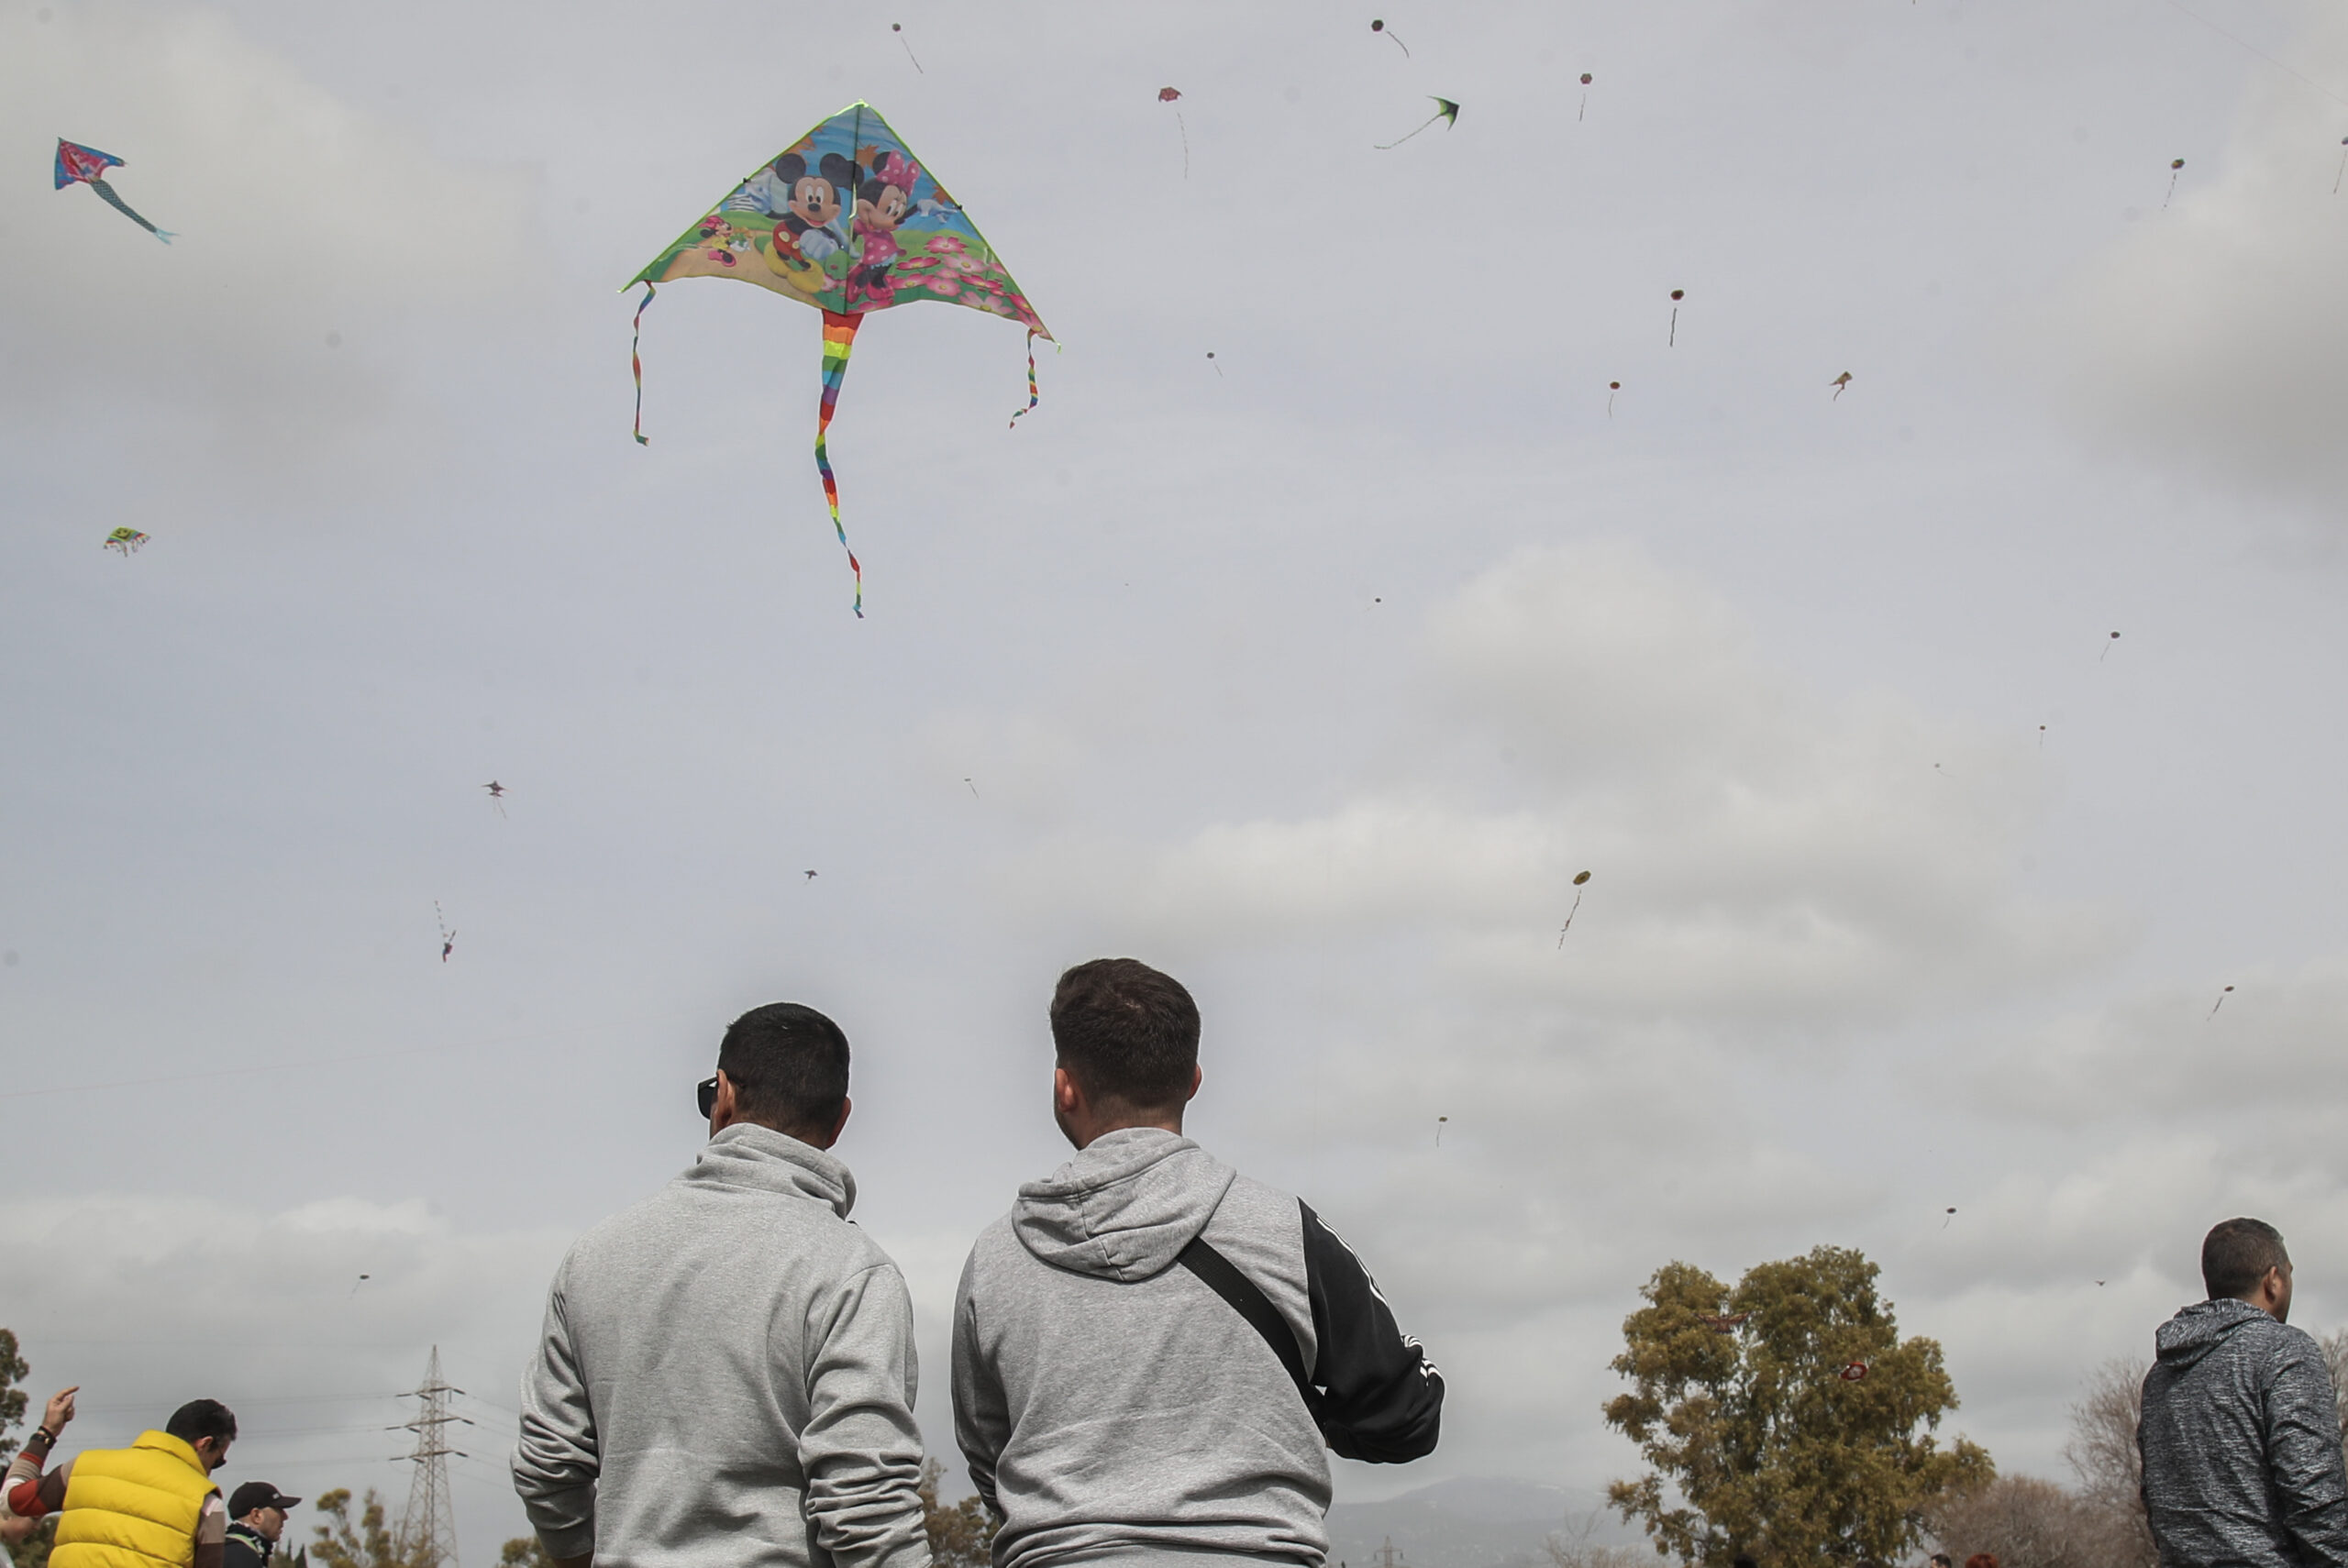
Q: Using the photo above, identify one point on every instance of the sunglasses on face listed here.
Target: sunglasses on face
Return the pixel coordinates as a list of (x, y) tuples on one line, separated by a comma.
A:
[(705, 1096)]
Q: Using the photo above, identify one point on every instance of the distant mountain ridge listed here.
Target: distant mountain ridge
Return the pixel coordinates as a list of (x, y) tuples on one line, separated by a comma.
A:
[(1472, 1522)]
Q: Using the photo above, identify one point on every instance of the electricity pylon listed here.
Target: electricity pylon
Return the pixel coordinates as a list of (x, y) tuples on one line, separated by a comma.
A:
[(427, 1533)]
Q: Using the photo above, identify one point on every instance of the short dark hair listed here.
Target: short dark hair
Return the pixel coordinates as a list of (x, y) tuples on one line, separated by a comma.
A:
[(2236, 1254), (1126, 1032), (789, 1064), (201, 1418)]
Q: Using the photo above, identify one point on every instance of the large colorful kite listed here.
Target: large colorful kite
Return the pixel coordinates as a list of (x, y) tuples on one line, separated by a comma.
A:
[(846, 220), (88, 165)]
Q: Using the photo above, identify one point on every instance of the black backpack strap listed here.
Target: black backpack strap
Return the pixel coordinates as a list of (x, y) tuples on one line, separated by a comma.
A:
[(1222, 1276)]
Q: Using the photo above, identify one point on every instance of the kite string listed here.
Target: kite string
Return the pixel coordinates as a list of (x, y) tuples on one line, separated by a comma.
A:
[(635, 363), (840, 341), (1032, 395), (2260, 54)]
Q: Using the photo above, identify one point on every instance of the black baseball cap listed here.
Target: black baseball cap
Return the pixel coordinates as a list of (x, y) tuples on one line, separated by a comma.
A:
[(258, 1495)]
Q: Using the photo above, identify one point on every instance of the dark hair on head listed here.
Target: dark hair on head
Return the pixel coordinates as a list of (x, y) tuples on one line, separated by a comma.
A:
[(1742, 1561), (1945, 1559), (201, 1418), (789, 1064), (1126, 1032), (1982, 1560), (2236, 1254)]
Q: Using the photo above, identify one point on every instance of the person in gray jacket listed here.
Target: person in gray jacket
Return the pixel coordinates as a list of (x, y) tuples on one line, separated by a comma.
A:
[(2241, 1434), (726, 1378), (1153, 1354)]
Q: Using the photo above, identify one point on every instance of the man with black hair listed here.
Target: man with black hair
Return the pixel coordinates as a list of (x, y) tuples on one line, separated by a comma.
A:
[(1153, 1353), (149, 1505), (2240, 1435), (726, 1379)]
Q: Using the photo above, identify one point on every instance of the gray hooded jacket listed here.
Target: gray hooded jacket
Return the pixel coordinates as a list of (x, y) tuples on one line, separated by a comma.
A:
[(2241, 1443), (1108, 1401), (726, 1378)]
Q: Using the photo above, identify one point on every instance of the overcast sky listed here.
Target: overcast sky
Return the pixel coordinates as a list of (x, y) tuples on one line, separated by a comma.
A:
[(1313, 681)]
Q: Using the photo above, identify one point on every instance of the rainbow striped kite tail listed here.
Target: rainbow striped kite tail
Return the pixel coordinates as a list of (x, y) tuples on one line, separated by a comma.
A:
[(636, 362), (840, 341), (1032, 398)]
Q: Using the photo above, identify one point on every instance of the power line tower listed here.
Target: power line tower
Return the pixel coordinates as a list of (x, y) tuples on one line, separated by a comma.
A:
[(427, 1532)]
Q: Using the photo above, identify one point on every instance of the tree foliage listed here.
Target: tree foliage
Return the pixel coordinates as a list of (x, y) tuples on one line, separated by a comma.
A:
[(2103, 1456), (525, 1551), (2025, 1522), (1755, 1440), (961, 1535), (372, 1542), (13, 1373)]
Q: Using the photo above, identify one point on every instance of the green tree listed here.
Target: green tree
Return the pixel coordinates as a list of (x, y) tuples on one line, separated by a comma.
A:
[(1757, 1440), (13, 1373), (525, 1551), (960, 1536), (370, 1543)]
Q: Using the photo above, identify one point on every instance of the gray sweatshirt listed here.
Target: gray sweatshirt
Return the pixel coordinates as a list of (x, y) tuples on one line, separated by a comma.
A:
[(2241, 1443), (726, 1378), (1108, 1401)]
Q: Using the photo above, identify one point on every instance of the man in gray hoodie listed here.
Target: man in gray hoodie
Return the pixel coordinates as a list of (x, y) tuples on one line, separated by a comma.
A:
[(1152, 1353), (2240, 1434), (726, 1374)]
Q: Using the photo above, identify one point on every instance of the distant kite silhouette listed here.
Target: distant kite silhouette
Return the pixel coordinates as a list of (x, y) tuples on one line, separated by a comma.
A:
[(1838, 383), (1378, 27), (89, 166), (899, 28), (1579, 882), (2220, 1002)]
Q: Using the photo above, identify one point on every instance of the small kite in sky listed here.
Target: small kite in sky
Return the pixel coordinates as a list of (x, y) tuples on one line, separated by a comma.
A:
[(1218, 368), (1171, 95), (1677, 295), (811, 876), (1611, 387), (123, 541), (2176, 167), (1853, 1371), (88, 165), (359, 1281), (974, 789), (496, 795), (2218, 1003), (448, 937), (1725, 1323), (2042, 737), (1378, 27), (2107, 647), (1580, 882), (1952, 1216), (1445, 110), (2343, 166), (1584, 110), (844, 220), (899, 28), (1838, 383), (1438, 1130)]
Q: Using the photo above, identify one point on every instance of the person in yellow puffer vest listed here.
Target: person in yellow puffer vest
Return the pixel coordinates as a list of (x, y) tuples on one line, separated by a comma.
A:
[(152, 1505)]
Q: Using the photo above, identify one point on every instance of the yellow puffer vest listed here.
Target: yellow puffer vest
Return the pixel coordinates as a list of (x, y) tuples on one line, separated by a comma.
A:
[(133, 1507)]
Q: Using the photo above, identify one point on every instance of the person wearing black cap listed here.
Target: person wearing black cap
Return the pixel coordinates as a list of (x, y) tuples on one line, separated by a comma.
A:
[(259, 1510)]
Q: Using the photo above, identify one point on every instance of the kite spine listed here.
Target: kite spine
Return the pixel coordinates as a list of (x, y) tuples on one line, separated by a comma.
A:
[(1031, 397), (635, 363), (840, 341)]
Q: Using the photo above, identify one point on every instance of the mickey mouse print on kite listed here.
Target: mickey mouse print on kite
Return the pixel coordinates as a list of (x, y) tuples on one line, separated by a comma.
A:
[(846, 220)]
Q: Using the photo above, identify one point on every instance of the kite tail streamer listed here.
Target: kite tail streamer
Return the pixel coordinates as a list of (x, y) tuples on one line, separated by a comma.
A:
[(840, 341), (118, 205), (1032, 398), (635, 363)]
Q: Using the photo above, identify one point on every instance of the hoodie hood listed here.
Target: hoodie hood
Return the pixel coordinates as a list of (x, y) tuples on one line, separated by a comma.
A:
[(1125, 1206), (2198, 1330), (764, 1160)]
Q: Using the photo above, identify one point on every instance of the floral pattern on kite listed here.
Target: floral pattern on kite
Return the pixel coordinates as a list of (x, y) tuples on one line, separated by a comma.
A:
[(845, 218)]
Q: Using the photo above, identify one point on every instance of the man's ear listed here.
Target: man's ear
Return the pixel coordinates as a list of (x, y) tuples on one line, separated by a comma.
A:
[(1067, 1095), (1198, 1077), (723, 1110)]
